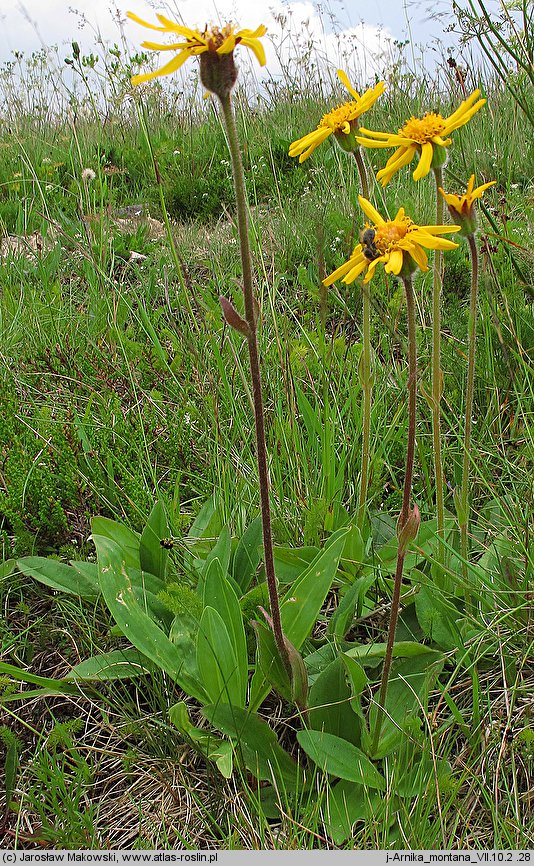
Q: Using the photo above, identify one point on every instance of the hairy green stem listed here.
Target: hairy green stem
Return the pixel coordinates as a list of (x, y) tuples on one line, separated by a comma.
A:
[(405, 510), (437, 375), (365, 370), (470, 390), (252, 341)]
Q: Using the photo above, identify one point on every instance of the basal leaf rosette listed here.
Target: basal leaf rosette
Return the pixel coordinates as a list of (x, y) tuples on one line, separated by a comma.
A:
[(398, 244), (462, 207), (427, 136), (214, 45), (342, 122)]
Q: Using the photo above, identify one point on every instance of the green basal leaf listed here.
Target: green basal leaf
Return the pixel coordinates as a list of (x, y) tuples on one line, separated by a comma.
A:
[(153, 557), (248, 555), (290, 562), (347, 804), (210, 746), (125, 539), (257, 743), (339, 758), (219, 594), (407, 697), (329, 704), (59, 576), (114, 665), (135, 619), (303, 602), (220, 670)]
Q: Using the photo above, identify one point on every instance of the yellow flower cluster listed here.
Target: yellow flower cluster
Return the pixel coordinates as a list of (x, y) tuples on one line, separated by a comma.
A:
[(398, 244), (427, 136), (215, 40)]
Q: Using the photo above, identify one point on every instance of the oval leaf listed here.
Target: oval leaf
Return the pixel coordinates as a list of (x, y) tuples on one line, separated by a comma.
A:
[(340, 758)]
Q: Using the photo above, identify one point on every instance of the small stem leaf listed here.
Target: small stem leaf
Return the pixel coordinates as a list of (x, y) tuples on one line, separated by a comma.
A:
[(233, 318)]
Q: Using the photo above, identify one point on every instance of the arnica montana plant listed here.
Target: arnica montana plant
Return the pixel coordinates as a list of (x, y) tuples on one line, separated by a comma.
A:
[(399, 245), (316, 662), (342, 122), (427, 136)]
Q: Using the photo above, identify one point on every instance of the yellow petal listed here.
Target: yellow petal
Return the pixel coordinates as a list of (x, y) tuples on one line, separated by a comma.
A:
[(309, 142), (380, 135), (370, 96), (433, 243), (228, 45), (369, 142), (392, 166), (256, 47), (339, 272), (394, 264), (461, 119), (344, 80), (170, 67), (438, 230), (370, 212), (372, 267), (252, 34), (425, 160), (155, 46), (140, 21), (173, 27), (480, 189), (419, 256), (356, 271), (464, 106)]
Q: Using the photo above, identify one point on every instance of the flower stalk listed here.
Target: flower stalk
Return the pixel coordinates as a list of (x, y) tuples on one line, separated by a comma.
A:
[(462, 210), (470, 391), (437, 375), (252, 342), (365, 369), (408, 522)]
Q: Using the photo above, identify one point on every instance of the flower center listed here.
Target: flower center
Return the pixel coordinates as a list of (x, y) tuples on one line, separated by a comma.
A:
[(215, 36), (390, 233), (338, 117), (423, 129)]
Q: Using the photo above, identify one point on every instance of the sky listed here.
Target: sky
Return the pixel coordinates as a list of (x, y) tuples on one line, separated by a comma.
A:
[(365, 25)]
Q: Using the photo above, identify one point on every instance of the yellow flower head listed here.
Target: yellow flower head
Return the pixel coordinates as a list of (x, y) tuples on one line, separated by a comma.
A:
[(216, 42), (397, 244), (427, 136), (340, 122), (461, 207)]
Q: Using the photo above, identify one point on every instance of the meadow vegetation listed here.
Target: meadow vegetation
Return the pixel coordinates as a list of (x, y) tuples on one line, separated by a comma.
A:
[(125, 395)]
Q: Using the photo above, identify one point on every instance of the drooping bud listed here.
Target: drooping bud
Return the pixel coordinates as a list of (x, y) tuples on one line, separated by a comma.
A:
[(232, 317), (408, 531)]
